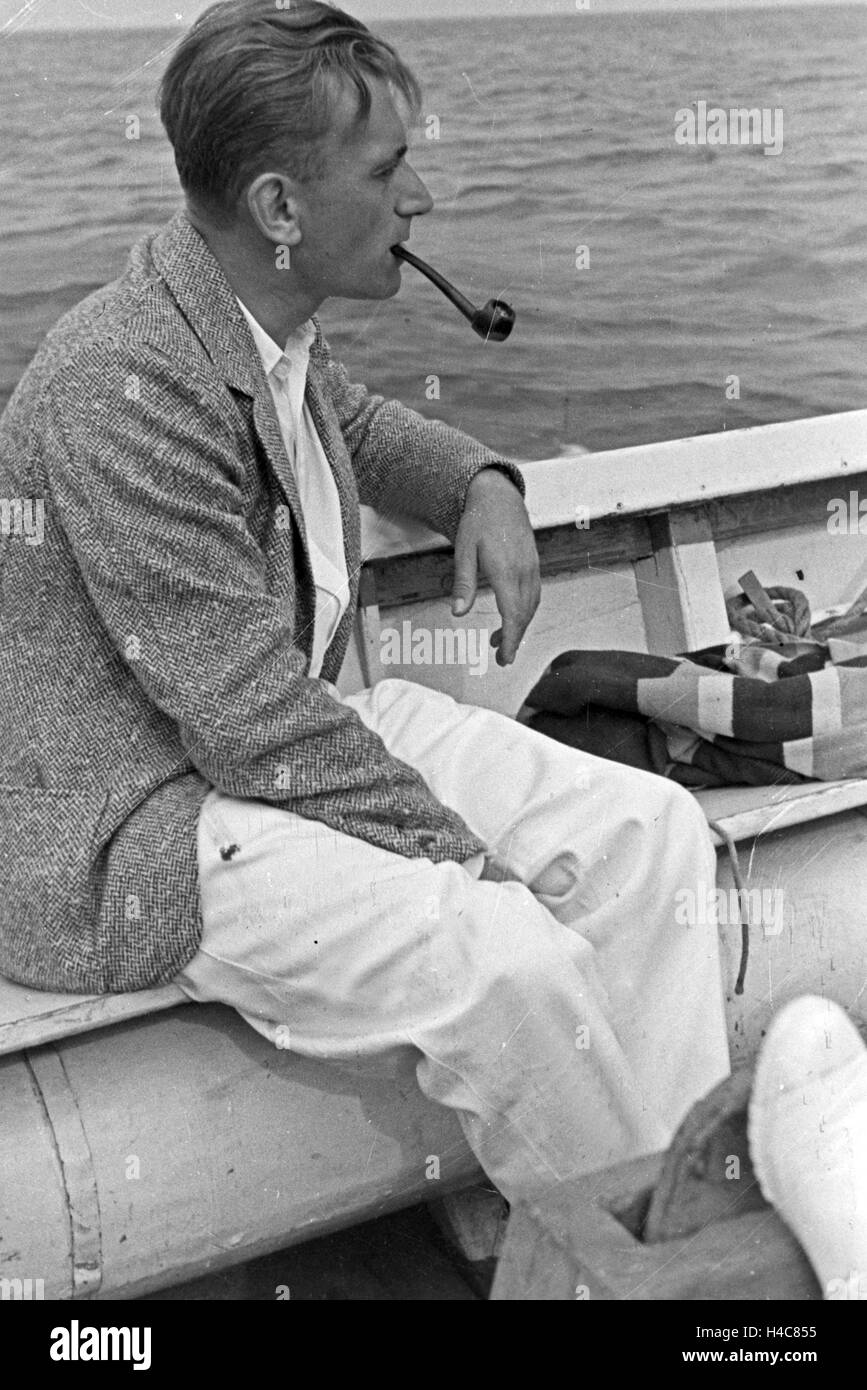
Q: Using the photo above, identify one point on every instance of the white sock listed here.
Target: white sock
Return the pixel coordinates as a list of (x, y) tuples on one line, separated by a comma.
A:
[(808, 1138)]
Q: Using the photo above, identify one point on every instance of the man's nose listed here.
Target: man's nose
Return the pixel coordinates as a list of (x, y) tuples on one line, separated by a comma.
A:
[(413, 198)]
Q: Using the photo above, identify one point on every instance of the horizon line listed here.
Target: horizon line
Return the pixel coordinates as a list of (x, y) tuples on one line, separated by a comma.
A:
[(667, 7)]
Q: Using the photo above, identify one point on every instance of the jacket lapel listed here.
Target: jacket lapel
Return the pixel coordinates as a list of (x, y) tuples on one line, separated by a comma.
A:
[(204, 296), (347, 491), (270, 437), (206, 300)]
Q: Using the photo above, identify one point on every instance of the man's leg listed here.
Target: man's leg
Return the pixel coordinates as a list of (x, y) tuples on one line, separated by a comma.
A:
[(341, 950), (611, 851)]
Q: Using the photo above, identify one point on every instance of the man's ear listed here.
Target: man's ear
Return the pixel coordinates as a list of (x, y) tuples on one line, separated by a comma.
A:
[(274, 206)]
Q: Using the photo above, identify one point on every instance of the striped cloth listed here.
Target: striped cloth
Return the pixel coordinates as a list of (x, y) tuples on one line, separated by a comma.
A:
[(752, 712)]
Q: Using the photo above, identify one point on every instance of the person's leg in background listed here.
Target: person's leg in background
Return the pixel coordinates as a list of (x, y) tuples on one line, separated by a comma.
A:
[(808, 1137)]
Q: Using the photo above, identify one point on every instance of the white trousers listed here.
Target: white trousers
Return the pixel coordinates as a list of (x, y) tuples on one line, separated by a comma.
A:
[(566, 1017)]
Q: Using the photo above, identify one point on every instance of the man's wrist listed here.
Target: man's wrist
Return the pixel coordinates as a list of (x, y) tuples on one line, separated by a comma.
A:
[(485, 475)]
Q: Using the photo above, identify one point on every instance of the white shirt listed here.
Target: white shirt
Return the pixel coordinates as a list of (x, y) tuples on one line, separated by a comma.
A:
[(286, 373)]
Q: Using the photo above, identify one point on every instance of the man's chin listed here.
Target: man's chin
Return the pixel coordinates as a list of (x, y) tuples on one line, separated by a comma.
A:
[(393, 279), (383, 282), (385, 291)]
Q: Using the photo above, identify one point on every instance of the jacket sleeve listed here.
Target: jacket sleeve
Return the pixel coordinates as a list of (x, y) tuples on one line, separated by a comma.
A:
[(406, 464), (148, 492)]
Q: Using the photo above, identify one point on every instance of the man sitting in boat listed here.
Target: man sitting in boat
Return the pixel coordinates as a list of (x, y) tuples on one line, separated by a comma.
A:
[(186, 794)]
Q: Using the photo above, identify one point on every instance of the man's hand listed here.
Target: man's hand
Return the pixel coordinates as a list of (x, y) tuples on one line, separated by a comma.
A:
[(495, 536), (496, 870)]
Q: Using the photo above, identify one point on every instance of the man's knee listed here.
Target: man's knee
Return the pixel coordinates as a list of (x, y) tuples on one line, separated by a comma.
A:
[(683, 837), (519, 947), (480, 930), (686, 810), (656, 828), (661, 802)]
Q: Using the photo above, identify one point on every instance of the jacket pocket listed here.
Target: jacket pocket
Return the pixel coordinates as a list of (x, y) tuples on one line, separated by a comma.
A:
[(48, 907)]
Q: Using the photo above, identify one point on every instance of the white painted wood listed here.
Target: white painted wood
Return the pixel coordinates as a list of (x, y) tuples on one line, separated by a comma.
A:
[(203, 1145), (819, 869), (34, 1211), (679, 587), (674, 473), (29, 1017), (749, 811), (79, 1179)]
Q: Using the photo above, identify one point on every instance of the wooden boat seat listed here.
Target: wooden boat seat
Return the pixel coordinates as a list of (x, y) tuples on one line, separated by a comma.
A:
[(30, 1017), (749, 811)]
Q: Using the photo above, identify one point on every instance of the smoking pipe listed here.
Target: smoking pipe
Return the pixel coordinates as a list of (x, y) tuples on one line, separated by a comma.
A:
[(493, 323)]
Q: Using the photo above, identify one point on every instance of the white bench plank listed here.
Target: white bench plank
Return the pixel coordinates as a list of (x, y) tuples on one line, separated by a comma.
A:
[(685, 472), (30, 1017), (664, 476), (749, 811)]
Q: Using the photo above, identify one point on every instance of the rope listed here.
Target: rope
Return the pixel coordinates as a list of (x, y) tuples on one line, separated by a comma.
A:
[(731, 848)]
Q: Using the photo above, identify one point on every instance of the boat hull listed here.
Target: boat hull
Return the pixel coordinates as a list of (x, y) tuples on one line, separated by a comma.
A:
[(813, 877), (172, 1146)]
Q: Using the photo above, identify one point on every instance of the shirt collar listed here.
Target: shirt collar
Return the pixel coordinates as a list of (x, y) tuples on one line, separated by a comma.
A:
[(297, 344)]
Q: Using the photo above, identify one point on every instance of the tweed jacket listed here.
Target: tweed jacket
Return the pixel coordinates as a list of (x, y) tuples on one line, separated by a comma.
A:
[(157, 635)]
